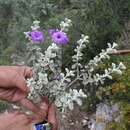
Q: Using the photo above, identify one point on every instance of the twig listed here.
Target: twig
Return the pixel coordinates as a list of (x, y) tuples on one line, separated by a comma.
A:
[(121, 52), (74, 81)]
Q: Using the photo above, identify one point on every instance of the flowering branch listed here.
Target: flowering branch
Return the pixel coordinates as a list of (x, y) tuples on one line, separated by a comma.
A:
[(58, 85)]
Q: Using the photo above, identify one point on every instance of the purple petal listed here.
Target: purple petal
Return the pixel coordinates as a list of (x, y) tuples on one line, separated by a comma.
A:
[(60, 37), (37, 36)]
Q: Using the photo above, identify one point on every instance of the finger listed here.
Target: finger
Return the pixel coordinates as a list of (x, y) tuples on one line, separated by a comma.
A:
[(44, 106), (11, 95), (28, 72), (29, 105), (43, 110), (22, 119), (20, 83), (37, 116), (5, 94), (52, 117), (45, 100), (40, 112), (25, 71), (9, 117), (8, 114), (18, 95), (28, 118)]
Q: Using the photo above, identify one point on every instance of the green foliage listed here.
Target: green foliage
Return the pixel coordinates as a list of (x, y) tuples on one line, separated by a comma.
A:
[(121, 87), (116, 126), (15, 18), (3, 106), (124, 124), (102, 20), (119, 92)]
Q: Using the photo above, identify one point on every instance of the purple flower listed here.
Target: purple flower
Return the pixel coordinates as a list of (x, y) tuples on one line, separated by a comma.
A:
[(37, 36), (59, 37)]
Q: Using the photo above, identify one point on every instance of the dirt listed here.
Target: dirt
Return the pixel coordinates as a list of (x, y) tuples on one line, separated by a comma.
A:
[(73, 120)]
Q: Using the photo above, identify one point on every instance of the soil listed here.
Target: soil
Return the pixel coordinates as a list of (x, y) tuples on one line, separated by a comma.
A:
[(73, 120)]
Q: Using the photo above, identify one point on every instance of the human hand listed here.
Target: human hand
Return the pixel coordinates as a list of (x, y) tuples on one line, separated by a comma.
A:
[(20, 121), (11, 121), (14, 77), (51, 118), (48, 113), (13, 86)]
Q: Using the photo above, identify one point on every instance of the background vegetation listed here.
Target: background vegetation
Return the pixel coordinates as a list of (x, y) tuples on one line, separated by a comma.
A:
[(103, 20)]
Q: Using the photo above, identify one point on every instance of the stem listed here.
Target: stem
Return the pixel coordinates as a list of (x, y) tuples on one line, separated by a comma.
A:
[(79, 49), (121, 52), (75, 80), (46, 8), (60, 60), (77, 69)]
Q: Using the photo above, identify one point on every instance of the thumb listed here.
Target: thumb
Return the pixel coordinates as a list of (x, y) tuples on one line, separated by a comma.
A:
[(52, 117)]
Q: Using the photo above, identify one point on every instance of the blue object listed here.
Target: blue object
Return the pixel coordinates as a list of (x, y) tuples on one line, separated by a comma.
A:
[(40, 127)]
